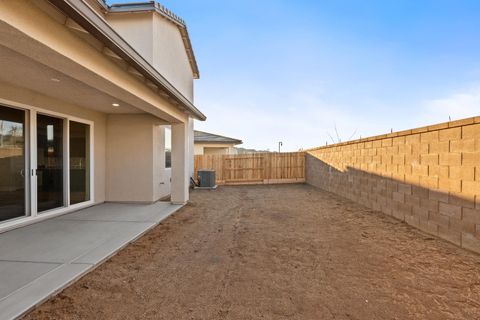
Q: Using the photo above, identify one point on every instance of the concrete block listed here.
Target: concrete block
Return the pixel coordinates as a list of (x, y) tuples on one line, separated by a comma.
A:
[(450, 159), (429, 159), (387, 142), (471, 187), (438, 171), (438, 196), (413, 220), (462, 200), (450, 134), (471, 242), (450, 235), (404, 149), (429, 136), (398, 159), (377, 144), (412, 139), (462, 173), (404, 188), (419, 192), (430, 204), (470, 158), (471, 132), (461, 122), (420, 169), (429, 182), (428, 226), (439, 126), (450, 210), (440, 219), (412, 179), (399, 197), (405, 169), (471, 215), (462, 225), (420, 130), (449, 185), (398, 141), (439, 147), (420, 212), (412, 200), (465, 145)]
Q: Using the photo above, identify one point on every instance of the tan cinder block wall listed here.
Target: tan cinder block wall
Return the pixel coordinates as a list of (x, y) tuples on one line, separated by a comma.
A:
[(428, 177)]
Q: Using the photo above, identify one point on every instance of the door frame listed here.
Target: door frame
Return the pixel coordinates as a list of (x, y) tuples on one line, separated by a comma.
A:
[(31, 214)]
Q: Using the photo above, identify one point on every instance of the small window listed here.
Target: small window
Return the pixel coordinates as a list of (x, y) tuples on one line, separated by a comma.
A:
[(168, 148)]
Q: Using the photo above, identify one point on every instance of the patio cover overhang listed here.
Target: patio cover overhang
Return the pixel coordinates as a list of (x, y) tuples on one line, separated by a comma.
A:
[(96, 58)]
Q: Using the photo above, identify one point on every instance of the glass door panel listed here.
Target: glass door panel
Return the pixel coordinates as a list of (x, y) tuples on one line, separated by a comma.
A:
[(12, 163), (79, 162), (50, 181)]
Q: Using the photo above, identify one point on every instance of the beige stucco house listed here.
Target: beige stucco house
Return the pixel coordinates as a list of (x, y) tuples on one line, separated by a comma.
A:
[(209, 143), (94, 100)]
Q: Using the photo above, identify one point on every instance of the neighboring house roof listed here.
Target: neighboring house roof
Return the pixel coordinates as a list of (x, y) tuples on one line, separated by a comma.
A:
[(201, 136), (88, 19), (155, 6)]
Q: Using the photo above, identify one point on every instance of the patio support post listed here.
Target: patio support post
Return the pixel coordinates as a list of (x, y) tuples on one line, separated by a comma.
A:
[(180, 163), (191, 145)]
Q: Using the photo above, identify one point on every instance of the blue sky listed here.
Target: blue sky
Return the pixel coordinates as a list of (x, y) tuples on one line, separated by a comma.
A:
[(290, 71)]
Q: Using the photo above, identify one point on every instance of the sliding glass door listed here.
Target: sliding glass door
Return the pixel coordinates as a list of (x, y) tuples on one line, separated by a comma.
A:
[(45, 163), (12, 163), (50, 175)]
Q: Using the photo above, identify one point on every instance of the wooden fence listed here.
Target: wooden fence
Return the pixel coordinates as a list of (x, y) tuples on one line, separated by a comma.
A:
[(256, 168)]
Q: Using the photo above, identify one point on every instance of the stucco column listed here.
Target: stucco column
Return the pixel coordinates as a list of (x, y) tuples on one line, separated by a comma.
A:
[(180, 163), (191, 144)]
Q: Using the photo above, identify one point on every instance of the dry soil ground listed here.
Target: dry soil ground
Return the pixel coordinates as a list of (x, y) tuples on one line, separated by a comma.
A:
[(277, 252)]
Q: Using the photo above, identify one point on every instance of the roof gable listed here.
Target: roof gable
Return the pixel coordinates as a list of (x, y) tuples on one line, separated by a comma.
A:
[(153, 6)]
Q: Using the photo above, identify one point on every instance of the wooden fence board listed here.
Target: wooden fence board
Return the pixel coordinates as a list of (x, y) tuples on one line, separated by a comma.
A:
[(263, 168)]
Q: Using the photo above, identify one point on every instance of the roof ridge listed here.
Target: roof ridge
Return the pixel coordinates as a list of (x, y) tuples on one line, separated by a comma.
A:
[(218, 136), (156, 5)]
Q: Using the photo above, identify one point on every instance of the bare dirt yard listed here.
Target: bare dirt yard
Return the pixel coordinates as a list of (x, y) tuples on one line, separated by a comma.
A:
[(277, 252)]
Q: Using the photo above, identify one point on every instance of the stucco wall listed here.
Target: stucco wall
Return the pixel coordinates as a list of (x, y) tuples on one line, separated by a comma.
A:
[(135, 171), (136, 29), (170, 57), (34, 99), (160, 43), (212, 151), (428, 177), (214, 148), (198, 149)]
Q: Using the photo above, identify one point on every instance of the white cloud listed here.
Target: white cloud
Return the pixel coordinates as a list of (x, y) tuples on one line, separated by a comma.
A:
[(299, 120), (302, 117), (457, 106)]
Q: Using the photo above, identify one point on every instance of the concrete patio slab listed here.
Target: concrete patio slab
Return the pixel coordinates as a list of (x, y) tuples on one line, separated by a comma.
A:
[(37, 291), (37, 261), (62, 241), (124, 212), (14, 275)]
